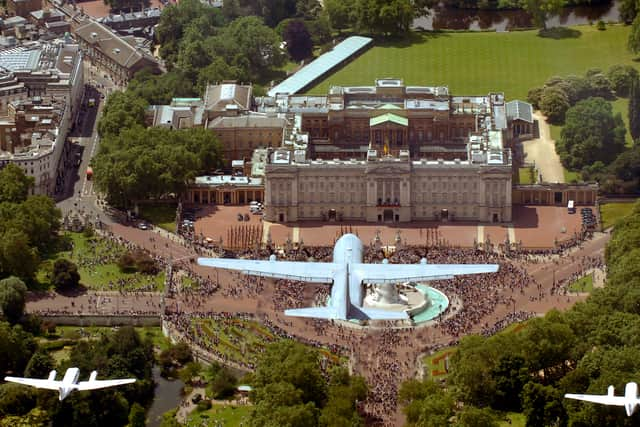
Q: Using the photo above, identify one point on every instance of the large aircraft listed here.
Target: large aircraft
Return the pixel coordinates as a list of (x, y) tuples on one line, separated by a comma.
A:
[(69, 382), (630, 400), (348, 274)]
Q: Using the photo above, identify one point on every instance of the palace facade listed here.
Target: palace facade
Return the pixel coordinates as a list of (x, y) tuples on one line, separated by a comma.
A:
[(398, 153)]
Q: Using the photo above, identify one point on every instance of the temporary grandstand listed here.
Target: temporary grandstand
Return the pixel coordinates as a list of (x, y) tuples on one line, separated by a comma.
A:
[(323, 65)]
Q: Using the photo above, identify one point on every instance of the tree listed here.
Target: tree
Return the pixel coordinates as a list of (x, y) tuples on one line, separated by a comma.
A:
[(591, 133), (634, 108), (17, 257), (14, 184), (510, 376), (340, 13), (633, 44), (16, 399), (40, 364), (12, 298), (386, 17), (177, 18), (554, 104), (65, 275), (541, 9), (471, 416), (295, 364), (223, 385), (345, 392), (141, 163), (599, 84), (161, 89), (542, 405), (534, 95), (298, 40), (137, 416), (621, 78), (16, 348), (249, 44), (628, 10)]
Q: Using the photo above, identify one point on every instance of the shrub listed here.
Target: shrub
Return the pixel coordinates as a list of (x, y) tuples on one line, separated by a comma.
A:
[(204, 405)]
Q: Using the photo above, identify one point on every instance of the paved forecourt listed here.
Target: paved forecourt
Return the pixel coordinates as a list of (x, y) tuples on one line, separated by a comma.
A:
[(535, 226)]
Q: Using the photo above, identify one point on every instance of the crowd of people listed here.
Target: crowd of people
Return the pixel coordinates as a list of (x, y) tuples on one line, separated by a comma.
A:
[(384, 354)]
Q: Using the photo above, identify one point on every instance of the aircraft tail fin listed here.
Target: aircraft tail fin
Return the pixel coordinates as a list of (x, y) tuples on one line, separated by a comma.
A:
[(314, 312)]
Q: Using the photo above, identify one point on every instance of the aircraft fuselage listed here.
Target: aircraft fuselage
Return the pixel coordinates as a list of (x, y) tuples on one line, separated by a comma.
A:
[(347, 286)]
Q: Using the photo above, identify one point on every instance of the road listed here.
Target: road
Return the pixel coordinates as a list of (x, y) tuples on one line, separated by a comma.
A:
[(78, 193), (542, 152)]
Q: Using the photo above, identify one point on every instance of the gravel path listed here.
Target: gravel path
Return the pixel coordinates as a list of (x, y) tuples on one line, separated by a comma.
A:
[(542, 152)]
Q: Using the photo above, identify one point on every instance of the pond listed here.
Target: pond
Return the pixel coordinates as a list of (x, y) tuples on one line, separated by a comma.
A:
[(443, 18), (166, 397)]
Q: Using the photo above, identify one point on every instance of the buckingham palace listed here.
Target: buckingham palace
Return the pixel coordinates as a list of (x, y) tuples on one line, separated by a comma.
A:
[(394, 153)]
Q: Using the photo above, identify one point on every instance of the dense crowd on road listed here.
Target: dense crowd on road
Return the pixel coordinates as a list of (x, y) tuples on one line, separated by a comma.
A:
[(382, 354)]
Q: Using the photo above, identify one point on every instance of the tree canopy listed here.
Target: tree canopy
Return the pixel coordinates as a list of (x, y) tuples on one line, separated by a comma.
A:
[(582, 350), (591, 133), (28, 224), (12, 298), (14, 184), (290, 390)]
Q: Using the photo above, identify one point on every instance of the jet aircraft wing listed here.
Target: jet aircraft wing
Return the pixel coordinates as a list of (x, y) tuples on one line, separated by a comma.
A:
[(96, 384), (38, 383), (316, 272), (384, 273)]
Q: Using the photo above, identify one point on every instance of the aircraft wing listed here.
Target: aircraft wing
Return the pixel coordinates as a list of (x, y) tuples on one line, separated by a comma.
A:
[(604, 399), (383, 273), (317, 272), (46, 384), (96, 384)]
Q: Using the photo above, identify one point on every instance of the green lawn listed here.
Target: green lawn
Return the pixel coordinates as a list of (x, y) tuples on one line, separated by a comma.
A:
[(96, 259), (526, 175), (163, 216), (241, 340), (477, 63), (610, 213), (434, 364), (226, 415), (70, 335), (515, 420), (583, 284), (621, 105)]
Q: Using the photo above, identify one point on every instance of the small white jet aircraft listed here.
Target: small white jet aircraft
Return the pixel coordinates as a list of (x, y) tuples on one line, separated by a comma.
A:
[(70, 382), (630, 400), (348, 274)]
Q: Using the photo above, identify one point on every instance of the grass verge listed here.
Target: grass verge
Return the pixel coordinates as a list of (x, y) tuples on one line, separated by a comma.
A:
[(163, 216), (477, 63), (583, 284), (610, 213), (96, 259), (225, 415)]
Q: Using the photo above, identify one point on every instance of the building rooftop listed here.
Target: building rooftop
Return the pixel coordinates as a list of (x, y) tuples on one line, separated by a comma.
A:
[(321, 65), (39, 56), (389, 117), (520, 110), (110, 44), (220, 97), (218, 180), (247, 121)]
